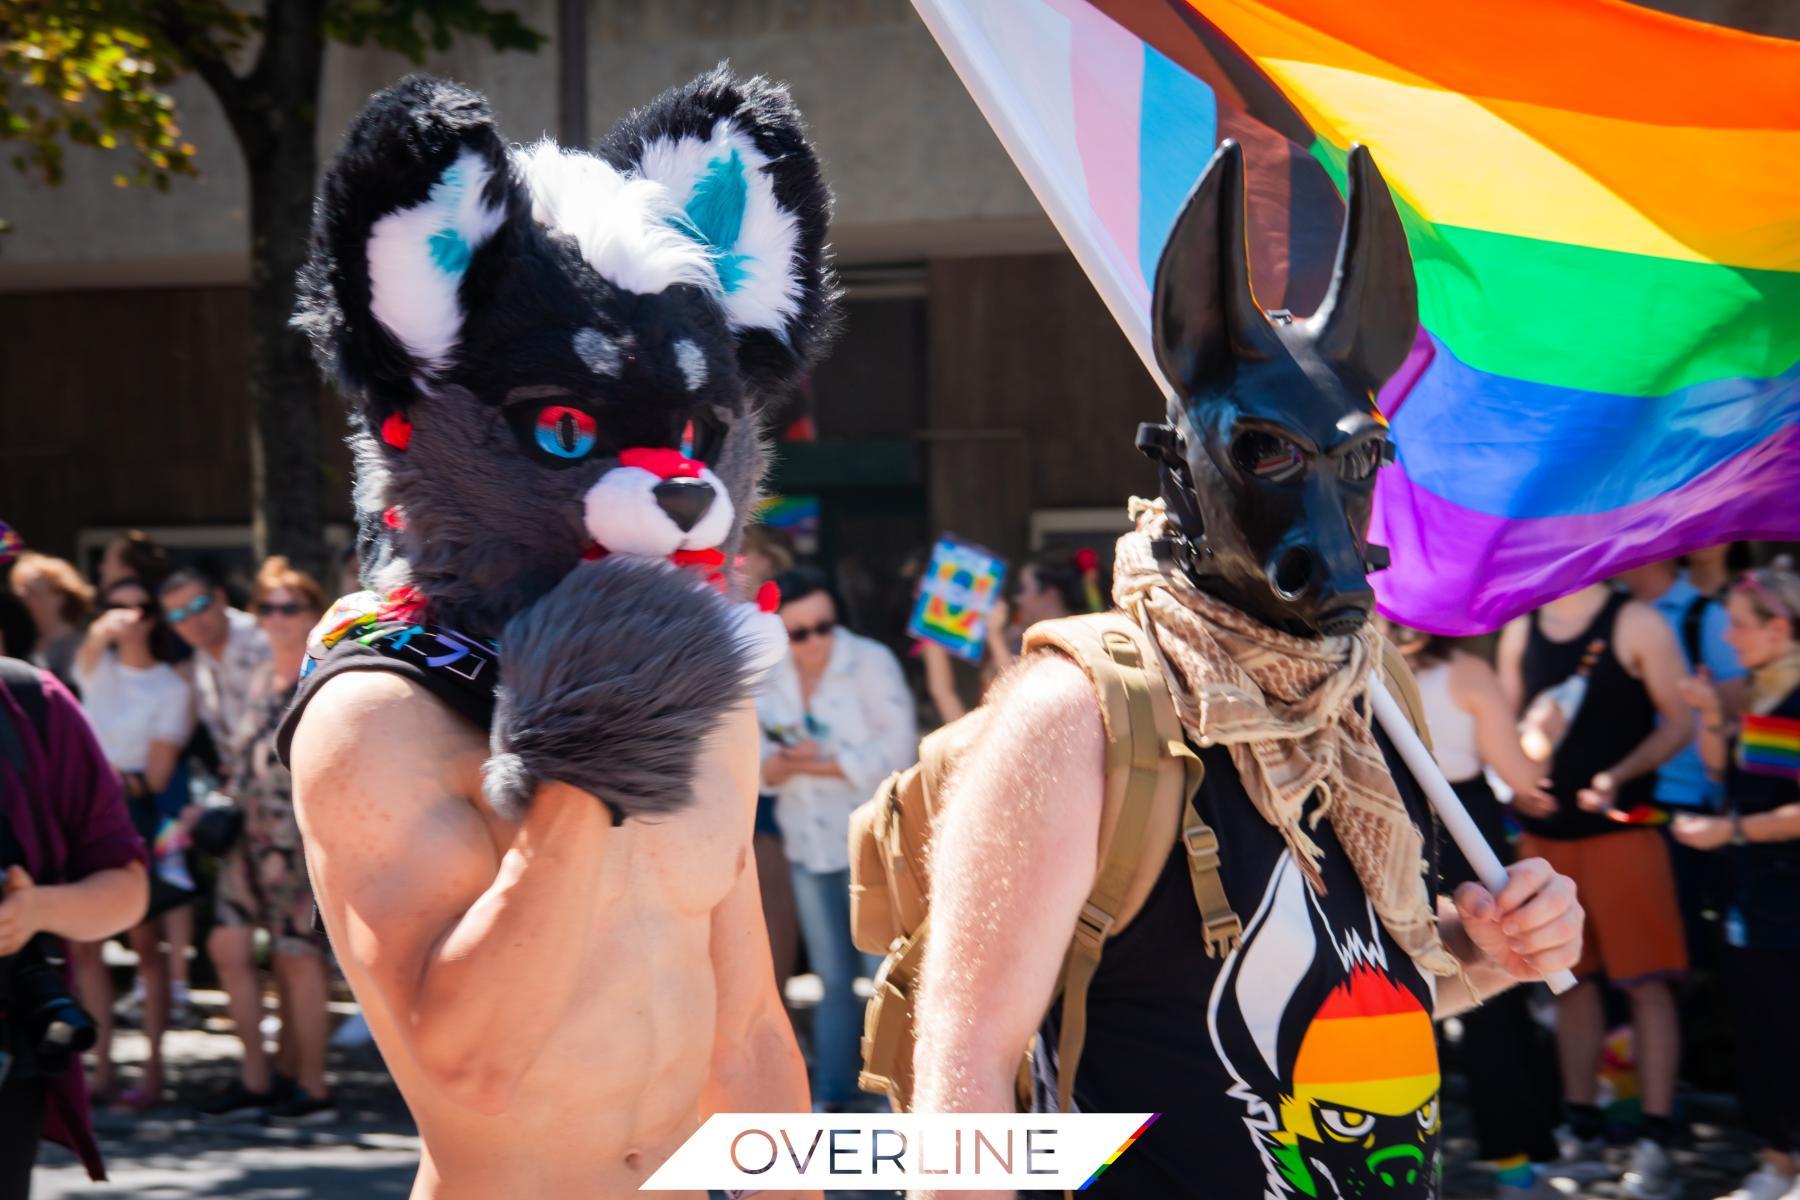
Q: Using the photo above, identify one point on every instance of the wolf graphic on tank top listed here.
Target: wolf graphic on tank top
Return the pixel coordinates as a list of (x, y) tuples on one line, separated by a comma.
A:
[(1340, 1096), (1301, 1065)]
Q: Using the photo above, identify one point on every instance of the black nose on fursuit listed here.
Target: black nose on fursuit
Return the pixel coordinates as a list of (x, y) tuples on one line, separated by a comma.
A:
[(685, 500)]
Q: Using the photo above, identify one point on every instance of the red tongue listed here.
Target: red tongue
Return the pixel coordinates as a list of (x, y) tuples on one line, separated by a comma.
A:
[(713, 560)]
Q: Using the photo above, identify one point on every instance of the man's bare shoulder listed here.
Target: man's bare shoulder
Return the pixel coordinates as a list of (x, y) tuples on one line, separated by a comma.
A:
[(1046, 695), (376, 732), (1513, 635), (1043, 744)]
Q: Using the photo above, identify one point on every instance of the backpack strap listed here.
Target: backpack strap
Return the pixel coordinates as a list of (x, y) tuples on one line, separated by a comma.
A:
[(1399, 679), (1693, 628), (1146, 751), (21, 680)]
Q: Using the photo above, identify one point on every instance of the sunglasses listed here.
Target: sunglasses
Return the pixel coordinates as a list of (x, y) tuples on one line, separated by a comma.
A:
[(822, 629), (280, 610), (192, 608)]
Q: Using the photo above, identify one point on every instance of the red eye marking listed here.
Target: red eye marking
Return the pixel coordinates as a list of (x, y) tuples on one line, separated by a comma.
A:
[(661, 462)]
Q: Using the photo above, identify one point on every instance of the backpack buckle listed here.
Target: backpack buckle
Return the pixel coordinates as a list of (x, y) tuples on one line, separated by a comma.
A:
[(1202, 845), (1092, 926), (1223, 935)]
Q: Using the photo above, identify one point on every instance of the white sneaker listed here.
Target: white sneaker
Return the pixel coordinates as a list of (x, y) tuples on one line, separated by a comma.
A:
[(1651, 1175), (1580, 1160), (1765, 1183)]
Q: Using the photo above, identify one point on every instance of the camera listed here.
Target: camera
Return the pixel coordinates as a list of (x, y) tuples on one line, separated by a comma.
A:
[(46, 1021)]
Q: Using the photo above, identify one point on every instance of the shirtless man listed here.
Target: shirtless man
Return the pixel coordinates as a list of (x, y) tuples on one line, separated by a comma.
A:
[(525, 762)]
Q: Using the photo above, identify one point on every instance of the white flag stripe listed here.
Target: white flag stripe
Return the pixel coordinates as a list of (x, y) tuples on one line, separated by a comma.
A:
[(971, 37)]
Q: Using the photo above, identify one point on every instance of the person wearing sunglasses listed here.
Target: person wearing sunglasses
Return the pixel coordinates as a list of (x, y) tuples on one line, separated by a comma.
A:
[(836, 719), (263, 884), (142, 710), (230, 651)]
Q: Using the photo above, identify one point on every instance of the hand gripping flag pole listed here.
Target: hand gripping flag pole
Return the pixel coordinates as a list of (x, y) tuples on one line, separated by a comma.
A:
[(1487, 865)]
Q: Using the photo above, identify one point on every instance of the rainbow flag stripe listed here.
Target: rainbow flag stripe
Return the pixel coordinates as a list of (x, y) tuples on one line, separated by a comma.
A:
[(1114, 1156), (1770, 746), (1606, 239)]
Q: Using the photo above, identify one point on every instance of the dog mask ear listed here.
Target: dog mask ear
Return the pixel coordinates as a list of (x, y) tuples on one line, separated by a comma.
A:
[(420, 184), (734, 159)]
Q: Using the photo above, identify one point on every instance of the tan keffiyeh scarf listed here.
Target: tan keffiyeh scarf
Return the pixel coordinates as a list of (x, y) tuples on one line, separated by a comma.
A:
[(1285, 708)]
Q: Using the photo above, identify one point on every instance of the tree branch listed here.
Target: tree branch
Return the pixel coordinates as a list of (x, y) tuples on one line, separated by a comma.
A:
[(204, 56)]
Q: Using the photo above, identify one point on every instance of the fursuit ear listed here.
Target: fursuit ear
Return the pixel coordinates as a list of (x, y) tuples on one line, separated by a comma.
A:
[(1203, 315), (419, 185), (1366, 325), (733, 156)]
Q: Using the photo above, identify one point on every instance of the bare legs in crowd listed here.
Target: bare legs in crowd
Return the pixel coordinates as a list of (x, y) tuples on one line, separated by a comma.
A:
[(1581, 1042), (94, 989), (178, 934), (153, 969)]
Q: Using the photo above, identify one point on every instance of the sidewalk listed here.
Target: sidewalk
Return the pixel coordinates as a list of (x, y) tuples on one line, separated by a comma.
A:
[(373, 1150)]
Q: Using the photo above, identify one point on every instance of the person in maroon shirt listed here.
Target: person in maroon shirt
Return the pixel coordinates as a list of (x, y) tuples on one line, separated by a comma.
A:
[(82, 876)]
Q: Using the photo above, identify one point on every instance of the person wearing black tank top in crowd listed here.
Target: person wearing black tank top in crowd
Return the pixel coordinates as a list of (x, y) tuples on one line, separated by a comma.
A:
[(1606, 743), (1751, 746)]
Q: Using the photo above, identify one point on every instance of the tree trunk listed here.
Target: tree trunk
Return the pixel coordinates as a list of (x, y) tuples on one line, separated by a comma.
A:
[(279, 137)]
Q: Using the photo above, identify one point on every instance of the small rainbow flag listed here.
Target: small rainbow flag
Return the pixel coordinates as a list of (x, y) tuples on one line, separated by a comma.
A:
[(1114, 1156), (1603, 205), (1770, 746)]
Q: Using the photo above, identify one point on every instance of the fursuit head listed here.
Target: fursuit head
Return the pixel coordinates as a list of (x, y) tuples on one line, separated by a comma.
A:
[(555, 361)]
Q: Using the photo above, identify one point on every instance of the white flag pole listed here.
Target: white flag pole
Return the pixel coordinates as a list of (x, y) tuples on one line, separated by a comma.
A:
[(1463, 830)]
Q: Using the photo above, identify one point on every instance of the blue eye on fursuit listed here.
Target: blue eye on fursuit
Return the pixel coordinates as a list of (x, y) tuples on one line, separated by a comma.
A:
[(565, 432)]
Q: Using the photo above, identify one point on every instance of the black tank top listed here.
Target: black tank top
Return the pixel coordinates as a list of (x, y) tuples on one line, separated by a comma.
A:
[(1306, 1056), (1614, 719)]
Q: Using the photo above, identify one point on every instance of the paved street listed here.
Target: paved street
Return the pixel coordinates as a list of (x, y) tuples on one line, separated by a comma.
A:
[(372, 1151)]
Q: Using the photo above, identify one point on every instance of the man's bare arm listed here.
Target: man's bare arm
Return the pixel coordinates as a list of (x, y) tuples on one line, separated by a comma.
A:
[(756, 1063), (1509, 657), (470, 951), (1476, 689), (1647, 646), (1015, 853)]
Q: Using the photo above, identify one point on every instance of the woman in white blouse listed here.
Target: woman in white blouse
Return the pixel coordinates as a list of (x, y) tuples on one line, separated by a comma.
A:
[(142, 710), (836, 719)]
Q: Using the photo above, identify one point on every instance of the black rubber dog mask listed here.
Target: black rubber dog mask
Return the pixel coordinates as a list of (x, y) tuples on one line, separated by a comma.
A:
[(1268, 463)]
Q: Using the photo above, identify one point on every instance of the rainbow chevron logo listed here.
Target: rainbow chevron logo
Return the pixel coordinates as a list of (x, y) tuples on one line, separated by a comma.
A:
[(1114, 1156)]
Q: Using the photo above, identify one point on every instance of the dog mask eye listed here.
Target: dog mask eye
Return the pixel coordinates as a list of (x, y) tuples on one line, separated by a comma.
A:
[(1267, 456), (563, 431)]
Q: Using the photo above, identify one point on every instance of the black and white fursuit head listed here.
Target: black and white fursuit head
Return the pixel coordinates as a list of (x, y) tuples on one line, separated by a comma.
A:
[(555, 362)]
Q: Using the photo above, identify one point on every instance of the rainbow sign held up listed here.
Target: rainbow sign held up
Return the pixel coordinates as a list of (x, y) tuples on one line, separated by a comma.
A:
[(962, 581), (1603, 205), (1770, 746)]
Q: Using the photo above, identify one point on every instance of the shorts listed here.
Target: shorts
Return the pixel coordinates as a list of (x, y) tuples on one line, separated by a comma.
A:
[(263, 882), (1624, 881)]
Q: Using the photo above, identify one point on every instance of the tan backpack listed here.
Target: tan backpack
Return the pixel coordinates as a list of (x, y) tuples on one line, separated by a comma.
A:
[(1152, 777)]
